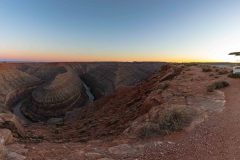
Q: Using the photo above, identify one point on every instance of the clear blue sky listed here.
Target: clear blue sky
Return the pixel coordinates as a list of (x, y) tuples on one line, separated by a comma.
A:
[(124, 30)]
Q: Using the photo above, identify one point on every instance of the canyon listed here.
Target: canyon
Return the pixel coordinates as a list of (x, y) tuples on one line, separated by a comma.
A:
[(104, 110)]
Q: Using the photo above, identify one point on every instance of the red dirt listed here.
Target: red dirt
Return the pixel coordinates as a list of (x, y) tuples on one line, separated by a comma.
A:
[(216, 138)]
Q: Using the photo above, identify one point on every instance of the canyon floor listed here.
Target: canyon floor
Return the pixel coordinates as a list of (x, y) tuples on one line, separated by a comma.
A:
[(162, 111)]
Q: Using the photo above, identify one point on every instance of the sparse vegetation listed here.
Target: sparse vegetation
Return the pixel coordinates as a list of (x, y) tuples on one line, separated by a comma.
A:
[(206, 69), (222, 71), (231, 75), (148, 130), (217, 85), (171, 120)]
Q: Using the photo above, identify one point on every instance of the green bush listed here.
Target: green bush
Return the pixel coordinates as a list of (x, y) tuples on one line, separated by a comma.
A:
[(217, 85), (171, 120)]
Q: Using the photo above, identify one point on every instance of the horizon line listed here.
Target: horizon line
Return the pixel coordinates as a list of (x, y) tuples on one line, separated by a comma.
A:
[(22, 61)]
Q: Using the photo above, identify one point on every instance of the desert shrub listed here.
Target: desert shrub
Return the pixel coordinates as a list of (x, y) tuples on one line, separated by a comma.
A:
[(217, 85), (148, 130), (175, 119), (231, 75), (171, 120), (222, 71), (206, 69)]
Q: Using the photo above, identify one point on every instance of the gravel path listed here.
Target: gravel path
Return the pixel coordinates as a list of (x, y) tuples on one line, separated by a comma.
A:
[(217, 138)]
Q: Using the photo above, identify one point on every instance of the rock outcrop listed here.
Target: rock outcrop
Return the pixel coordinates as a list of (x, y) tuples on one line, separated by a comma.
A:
[(13, 85), (10, 121), (6, 136)]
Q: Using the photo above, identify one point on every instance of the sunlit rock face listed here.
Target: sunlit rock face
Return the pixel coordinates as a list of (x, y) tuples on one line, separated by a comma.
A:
[(55, 98), (15, 84)]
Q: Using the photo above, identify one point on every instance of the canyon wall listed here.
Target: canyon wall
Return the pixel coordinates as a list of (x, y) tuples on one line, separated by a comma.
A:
[(104, 78), (55, 98), (57, 88), (15, 84)]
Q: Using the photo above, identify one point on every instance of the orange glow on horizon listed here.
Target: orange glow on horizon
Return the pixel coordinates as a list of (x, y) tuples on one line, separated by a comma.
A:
[(63, 57)]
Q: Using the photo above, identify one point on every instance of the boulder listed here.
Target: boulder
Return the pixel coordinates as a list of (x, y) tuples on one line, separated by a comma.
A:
[(15, 156), (10, 121), (6, 136), (18, 148)]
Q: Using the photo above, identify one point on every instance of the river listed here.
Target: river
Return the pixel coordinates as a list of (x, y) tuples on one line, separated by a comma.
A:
[(88, 92)]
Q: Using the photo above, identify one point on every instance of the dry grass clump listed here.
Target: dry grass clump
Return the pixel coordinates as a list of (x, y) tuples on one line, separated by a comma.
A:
[(173, 119), (231, 75), (217, 85)]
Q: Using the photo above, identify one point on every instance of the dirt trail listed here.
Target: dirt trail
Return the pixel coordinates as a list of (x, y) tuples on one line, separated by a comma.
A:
[(217, 138)]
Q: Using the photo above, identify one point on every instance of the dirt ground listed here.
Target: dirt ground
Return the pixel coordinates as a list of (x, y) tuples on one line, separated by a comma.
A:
[(217, 138)]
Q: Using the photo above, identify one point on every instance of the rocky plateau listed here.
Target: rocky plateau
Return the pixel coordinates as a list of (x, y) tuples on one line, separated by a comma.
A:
[(104, 111)]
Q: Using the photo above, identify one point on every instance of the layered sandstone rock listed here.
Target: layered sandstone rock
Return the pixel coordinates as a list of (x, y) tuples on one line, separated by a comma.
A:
[(43, 71), (104, 78), (14, 84), (55, 98)]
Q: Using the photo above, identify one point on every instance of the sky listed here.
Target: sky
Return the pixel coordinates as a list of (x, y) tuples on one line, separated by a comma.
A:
[(114, 30)]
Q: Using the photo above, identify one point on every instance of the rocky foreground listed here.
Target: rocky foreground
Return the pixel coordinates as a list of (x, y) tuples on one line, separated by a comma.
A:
[(172, 114)]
